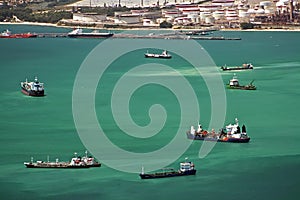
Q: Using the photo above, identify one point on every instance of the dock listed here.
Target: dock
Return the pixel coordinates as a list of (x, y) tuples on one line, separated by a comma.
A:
[(170, 36), (173, 37), (51, 35)]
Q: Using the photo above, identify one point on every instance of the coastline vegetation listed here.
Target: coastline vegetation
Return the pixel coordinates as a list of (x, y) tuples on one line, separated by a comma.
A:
[(51, 11), (23, 13)]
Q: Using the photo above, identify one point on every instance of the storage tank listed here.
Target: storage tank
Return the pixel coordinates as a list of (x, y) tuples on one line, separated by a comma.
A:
[(265, 4), (194, 17), (243, 13), (209, 20), (203, 15), (219, 14)]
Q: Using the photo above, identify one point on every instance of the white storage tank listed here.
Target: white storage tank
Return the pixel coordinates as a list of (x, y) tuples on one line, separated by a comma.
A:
[(203, 15), (219, 14), (243, 13), (209, 20), (194, 17)]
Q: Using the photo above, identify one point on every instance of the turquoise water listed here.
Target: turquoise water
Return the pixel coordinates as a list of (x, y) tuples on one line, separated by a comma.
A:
[(266, 168)]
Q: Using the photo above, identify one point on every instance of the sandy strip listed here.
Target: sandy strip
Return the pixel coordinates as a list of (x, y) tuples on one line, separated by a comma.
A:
[(132, 28)]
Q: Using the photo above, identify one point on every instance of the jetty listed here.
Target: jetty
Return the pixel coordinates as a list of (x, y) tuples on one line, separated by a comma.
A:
[(169, 36), (51, 35), (172, 37)]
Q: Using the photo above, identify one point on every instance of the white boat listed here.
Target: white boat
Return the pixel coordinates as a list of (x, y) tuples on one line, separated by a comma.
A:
[(33, 88), (164, 54)]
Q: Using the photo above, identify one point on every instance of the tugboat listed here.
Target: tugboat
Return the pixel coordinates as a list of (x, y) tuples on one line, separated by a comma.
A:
[(234, 84), (244, 67), (76, 162), (8, 34), (78, 33), (186, 169), (164, 54), (34, 88), (231, 133)]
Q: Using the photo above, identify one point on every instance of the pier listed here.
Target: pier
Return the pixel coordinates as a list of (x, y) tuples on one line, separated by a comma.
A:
[(51, 35), (170, 36), (173, 37)]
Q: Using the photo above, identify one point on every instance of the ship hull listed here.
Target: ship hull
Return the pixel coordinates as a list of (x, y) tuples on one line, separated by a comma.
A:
[(87, 35), (33, 93), (55, 166), (21, 35), (231, 140), (157, 56), (242, 87), (95, 165), (167, 174), (235, 68)]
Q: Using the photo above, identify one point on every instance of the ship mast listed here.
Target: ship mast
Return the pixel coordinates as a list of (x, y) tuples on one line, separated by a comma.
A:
[(143, 172)]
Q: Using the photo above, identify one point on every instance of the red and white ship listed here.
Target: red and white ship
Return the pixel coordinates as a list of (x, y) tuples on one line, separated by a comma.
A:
[(34, 88), (8, 34)]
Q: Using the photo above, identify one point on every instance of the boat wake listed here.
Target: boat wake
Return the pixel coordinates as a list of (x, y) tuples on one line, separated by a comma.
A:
[(282, 65), (175, 73)]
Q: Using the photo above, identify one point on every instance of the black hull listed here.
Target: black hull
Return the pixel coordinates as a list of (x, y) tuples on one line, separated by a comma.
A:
[(231, 140), (167, 174), (91, 35), (95, 165), (235, 68), (33, 93), (158, 56), (241, 87)]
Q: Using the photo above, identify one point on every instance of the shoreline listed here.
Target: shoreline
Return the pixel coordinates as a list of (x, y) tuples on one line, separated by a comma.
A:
[(283, 29)]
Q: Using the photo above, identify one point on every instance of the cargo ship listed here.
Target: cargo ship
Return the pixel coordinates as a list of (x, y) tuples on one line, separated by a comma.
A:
[(76, 162), (234, 84), (231, 133), (164, 55), (186, 168), (8, 34), (78, 33), (34, 88), (245, 66)]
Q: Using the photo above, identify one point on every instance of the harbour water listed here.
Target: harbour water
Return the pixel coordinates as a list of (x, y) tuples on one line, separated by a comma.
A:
[(265, 168)]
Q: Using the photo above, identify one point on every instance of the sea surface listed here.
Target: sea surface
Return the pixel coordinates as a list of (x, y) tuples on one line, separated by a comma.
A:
[(265, 168)]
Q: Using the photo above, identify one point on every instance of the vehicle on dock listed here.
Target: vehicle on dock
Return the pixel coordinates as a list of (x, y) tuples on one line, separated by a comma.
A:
[(164, 55), (186, 168), (231, 133), (76, 162), (234, 84), (34, 88), (245, 66), (78, 33), (8, 34)]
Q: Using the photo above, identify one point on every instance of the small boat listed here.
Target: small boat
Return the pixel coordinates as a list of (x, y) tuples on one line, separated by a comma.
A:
[(8, 34), (76, 162), (34, 88), (231, 133), (234, 84), (78, 33), (164, 54), (244, 67), (186, 169)]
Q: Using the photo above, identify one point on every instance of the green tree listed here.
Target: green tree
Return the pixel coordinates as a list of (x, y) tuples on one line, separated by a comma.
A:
[(165, 24)]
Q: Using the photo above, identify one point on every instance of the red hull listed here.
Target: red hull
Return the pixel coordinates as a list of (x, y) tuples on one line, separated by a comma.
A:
[(32, 94), (21, 35)]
